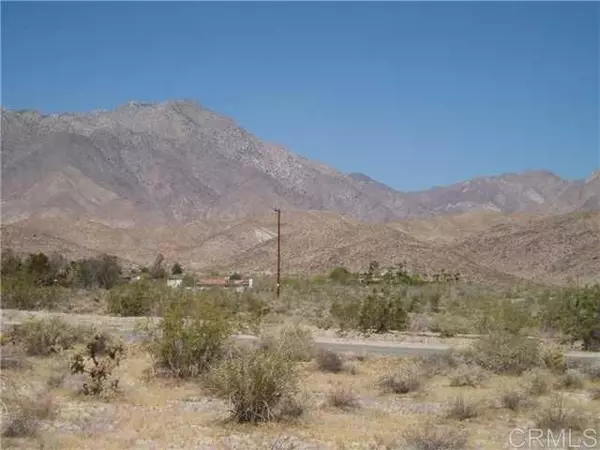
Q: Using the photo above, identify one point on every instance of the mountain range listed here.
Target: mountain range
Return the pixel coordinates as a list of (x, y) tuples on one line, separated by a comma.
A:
[(178, 179), (176, 162)]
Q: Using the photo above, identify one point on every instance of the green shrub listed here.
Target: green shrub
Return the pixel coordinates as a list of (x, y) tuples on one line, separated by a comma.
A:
[(576, 312), (506, 353), (140, 298), (186, 348), (294, 342), (42, 337), (21, 292), (255, 383), (378, 312), (341, 275)]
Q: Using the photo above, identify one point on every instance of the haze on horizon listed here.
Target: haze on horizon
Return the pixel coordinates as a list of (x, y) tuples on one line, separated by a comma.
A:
[(412, 94)]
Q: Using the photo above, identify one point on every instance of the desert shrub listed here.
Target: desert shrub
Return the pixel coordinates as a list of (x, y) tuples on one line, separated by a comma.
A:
[(449, 325), (507, 353), (515, 399), (42, 337), (291, 406), (556, 416), (554, 359), (255, 383), (343, 398), (592, 371), (24, 413), (468, 375), (576, 312), (98, 362), (443, 362), (294, 342), (407, 378), (378, 312), (539, 382), (341, 275), (329, 361), (21, 292), (187, 348), (136, 299), (460, 409), (432, 436), (571, 379)]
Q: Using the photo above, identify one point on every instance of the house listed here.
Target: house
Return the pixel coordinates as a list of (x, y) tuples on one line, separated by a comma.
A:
[(175, 283), (225, 282)]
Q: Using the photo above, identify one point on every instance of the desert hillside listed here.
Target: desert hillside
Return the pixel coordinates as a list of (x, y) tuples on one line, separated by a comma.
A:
[(551, 249)]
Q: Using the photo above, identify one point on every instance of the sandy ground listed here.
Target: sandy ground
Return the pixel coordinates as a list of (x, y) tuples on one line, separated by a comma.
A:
[(158, 413)]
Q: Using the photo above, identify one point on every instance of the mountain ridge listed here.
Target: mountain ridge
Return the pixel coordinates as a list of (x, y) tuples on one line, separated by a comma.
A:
[(175, 162)]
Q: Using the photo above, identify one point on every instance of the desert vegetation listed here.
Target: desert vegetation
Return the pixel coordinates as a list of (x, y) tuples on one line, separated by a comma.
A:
[(181, 365)]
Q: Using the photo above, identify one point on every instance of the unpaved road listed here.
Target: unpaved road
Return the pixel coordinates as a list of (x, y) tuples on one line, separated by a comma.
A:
[(128, 329)]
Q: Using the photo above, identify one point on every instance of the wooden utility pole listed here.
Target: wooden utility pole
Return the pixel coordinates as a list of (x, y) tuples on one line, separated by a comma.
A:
[(278, 211)]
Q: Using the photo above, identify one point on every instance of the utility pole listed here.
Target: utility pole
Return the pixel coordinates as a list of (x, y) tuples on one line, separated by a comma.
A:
[(278, 211)]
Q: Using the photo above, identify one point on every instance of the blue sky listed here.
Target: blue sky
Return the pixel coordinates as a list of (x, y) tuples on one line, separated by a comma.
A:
[(413, 94)]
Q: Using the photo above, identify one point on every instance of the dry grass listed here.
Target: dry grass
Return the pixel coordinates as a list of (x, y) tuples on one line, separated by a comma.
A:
[(515, 399), (343, 398), (557, 416), (431, 436), (25, 412), (571, 379), (407, 378), (468, 375), (461, 409), (539, 382)]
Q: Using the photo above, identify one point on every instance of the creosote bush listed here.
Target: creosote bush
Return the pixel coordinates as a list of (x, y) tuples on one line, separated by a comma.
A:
[(294, 342), (188, 346), (42, 337), (506, 353), (255, 383)]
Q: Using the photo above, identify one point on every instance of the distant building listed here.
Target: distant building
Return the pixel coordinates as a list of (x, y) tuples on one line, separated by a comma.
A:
[(175, 283)]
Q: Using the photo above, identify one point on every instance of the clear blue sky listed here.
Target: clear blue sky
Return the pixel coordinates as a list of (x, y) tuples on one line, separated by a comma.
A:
[(412, 94)]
